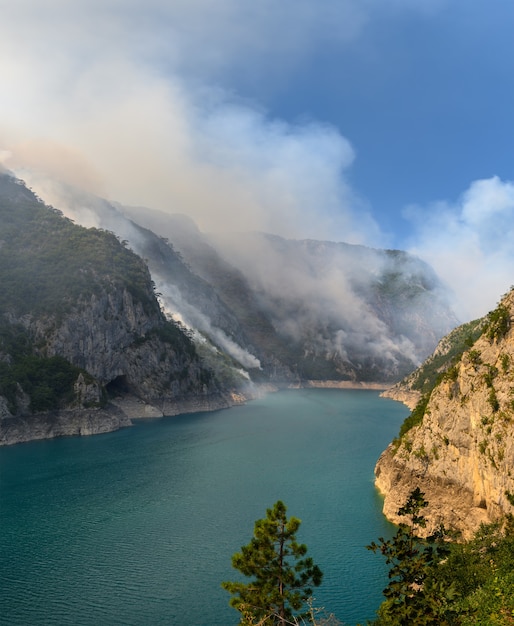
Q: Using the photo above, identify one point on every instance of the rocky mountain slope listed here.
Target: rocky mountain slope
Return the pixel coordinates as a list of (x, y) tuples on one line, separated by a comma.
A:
[(458, 444), (84, 344), (285, 310), (160, 324)]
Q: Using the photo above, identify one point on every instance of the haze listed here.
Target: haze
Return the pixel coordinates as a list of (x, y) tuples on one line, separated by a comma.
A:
[(378, 123)]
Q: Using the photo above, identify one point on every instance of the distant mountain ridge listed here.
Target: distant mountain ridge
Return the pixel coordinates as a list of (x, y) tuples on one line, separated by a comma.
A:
[(115, 321), (289, 310)]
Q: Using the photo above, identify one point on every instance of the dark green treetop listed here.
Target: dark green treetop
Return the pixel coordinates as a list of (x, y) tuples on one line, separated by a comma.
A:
[(414, 595), (281, 575)]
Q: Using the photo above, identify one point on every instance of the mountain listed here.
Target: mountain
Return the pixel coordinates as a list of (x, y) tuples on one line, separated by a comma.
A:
[(458, 443), (84, 344), (110, 320), (285, 310)]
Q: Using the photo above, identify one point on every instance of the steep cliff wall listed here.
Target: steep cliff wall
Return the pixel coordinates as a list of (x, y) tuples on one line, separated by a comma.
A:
[(461, 455), (81, 329), (285, 310)]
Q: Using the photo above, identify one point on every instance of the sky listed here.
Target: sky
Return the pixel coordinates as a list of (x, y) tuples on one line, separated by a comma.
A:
[(388, 123)]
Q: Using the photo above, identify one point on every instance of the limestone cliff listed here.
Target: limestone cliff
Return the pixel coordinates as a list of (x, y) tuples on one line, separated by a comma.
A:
[(286, 310), (461, 454), (84, 345)]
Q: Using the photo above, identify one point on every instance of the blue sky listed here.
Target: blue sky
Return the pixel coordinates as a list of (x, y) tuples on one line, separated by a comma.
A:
[(383, 122)]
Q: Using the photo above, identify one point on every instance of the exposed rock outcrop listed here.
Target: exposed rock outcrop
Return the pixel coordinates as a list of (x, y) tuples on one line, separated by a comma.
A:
[(461, 455), (20, 429), (409, 397), (79, 324)]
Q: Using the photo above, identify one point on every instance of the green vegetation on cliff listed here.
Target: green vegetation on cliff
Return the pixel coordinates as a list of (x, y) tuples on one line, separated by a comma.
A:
[(54, 275), (448, 354), (439, 583), (48, 263), (442, 365), (47, 383)]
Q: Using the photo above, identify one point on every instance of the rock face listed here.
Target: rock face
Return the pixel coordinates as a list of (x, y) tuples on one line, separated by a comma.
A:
[(285, 310), (81, 329), (461, 455), (19, 429)]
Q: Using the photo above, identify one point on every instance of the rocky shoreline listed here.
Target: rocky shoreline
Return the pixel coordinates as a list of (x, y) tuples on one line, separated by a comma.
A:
[(120, 412), (340, 384), (409, 397), (79, 422), (117, 414)]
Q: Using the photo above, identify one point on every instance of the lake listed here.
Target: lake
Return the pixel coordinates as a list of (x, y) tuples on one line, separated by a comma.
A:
[(138, 527)]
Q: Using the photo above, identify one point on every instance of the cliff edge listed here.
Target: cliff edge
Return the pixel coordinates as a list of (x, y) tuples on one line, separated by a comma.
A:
[(84, 344), (458, 444)]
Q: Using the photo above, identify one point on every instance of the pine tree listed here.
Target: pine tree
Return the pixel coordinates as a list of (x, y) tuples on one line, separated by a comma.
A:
[(282, 577), (414, 595)]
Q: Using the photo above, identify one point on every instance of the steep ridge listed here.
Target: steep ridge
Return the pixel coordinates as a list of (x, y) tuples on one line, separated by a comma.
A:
[(365, 314), (197, 322), (84, 344), (458, 444), (291, 310)]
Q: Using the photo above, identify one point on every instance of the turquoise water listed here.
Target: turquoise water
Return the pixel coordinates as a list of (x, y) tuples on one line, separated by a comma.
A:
[(137, 527)]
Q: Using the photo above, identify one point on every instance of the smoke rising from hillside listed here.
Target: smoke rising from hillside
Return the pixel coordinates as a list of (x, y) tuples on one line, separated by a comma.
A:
[(135, 110), (134, 102)]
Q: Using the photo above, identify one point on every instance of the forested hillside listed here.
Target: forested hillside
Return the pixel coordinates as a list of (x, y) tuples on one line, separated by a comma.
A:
[(285, 310), (80, 325)]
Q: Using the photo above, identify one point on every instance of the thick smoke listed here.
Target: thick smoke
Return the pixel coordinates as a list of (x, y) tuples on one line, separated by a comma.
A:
[(174, 305), (310, 285), (129, 103), (135, 102)]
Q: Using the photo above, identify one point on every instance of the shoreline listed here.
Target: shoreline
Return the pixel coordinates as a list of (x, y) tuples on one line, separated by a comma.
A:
[(340, 384), (120, 412)]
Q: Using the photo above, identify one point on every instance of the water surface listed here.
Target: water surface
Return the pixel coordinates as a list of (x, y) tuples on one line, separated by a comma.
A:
[(137, 527)]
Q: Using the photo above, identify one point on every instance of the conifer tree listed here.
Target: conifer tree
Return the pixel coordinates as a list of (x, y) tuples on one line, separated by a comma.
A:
[(414, 595), (282, 576)]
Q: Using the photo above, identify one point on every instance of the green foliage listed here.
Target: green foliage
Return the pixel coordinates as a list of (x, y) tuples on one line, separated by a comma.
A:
[(457, 342), (47, 263), (174, 335), (482, 571), (49, 382), (490, 374), (413, 595), (493, 400), (510, 497), (451, 374), (498, 323), (281, 575), (475, 358), (446, 583), (416, 417)]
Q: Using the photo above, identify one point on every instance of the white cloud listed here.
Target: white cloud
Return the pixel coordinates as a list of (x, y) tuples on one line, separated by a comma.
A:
[(469, 243)]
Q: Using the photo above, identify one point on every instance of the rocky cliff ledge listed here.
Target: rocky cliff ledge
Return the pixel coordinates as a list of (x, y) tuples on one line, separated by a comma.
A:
[(118, 414), (20, 429), (407, 396), (461, 454)]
